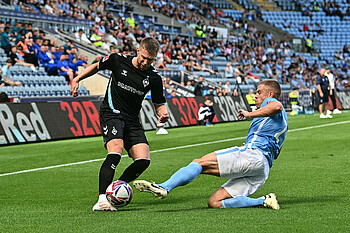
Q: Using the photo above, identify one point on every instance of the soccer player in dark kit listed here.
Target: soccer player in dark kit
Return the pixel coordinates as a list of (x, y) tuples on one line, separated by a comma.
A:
[(131, 78)]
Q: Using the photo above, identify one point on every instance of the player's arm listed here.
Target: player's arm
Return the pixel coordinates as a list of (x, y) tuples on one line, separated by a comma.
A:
[(330, 89), (270, 109), (162, 112), (89, 71)]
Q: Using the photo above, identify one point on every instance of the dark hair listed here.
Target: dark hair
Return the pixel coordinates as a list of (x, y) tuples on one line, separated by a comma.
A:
[(274, 85), (150, 44), (4, 98)]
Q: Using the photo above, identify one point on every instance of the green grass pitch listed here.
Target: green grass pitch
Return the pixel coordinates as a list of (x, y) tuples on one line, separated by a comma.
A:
[(311, 179)]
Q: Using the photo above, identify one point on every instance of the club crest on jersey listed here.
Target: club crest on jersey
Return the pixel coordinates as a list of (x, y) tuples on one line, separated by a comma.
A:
[(105, 58), (114, 131), (145, 82), (125, 73)]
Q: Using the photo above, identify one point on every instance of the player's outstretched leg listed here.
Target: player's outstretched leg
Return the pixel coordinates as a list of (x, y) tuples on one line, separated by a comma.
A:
[(269, 201), (182, 177), (156, 190), (106, 177)]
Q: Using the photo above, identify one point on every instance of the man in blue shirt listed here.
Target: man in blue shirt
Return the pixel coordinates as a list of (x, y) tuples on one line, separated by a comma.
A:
[(5, 40), (322, 88), (247, 166)]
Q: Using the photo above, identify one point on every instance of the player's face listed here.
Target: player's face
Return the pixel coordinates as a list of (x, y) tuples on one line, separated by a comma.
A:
[(144, 59), (262, 92)]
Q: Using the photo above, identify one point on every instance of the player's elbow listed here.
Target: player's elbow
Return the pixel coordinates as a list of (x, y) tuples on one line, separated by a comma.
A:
[(278, 107)]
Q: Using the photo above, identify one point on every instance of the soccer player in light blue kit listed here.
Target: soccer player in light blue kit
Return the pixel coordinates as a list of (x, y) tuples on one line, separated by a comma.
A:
[(247, 166)]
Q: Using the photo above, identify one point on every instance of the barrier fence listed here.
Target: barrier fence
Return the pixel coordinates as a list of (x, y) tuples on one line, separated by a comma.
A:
[(32, 122)]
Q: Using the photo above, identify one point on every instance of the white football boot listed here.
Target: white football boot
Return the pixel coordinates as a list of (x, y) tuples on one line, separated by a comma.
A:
[(104, 206), (271, 202), (336, 111), (156, 190)]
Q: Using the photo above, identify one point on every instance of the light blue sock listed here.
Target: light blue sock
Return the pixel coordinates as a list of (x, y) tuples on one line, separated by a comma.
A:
[(183, 176), (241, 201)]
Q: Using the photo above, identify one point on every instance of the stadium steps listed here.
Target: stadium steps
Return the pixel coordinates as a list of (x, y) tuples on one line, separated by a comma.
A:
[(236, 6), (279, 34), (162, 19), (267, 5)]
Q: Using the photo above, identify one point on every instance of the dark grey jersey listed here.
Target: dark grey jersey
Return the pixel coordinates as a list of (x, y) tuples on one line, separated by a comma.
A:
[(128, 86)]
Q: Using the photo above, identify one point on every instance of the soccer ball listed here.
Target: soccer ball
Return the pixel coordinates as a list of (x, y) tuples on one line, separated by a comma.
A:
[(119, 193)]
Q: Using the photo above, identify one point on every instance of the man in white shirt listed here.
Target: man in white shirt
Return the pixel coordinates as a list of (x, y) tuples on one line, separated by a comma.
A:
[(331, 79)]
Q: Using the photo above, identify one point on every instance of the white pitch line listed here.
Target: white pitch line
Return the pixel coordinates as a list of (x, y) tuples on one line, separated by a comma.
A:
[(166, 149)]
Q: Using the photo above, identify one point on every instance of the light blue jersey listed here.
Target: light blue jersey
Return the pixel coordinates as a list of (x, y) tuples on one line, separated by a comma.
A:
[(268, 133)]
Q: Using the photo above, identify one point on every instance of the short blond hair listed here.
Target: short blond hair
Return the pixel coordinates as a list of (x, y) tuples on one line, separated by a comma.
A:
[(274, 85)]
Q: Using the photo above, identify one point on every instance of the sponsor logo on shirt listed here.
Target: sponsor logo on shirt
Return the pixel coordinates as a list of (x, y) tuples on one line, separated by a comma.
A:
[(125, 73), (131, 89)]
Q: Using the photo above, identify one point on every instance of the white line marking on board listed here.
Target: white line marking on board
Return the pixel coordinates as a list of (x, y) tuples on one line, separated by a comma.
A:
[(165, 149)]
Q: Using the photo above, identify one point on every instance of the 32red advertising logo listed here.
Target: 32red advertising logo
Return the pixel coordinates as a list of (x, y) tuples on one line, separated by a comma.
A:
[(82, 114)]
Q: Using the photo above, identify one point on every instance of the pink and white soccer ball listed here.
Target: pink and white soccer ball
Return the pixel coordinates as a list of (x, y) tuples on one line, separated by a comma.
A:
[(119, 193)]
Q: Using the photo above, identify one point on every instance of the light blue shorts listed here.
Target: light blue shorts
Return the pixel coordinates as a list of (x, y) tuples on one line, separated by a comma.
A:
[(248, 169)]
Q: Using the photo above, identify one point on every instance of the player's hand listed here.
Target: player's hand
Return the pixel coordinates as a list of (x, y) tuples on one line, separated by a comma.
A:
[(321, 94), (330, 92), (164, 117), (243, 113), (74, 87)]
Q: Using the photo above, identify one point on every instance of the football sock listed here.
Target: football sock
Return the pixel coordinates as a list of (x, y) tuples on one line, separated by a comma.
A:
[(102, 197), (107, 171), (135, 170), (183, 176), (241, 201)]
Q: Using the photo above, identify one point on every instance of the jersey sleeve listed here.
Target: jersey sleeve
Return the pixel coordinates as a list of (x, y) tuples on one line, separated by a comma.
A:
[(267, 101), (108, 62), (157, 93)]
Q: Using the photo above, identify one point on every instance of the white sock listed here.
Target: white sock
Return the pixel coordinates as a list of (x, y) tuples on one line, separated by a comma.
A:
[(102, 197)]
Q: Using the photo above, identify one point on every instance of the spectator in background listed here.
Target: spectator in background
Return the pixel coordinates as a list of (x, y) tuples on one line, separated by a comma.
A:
[(162, 65), (229, 70), (168, 82), (131, 20), (47, 60), (17, 57), (331, 79), (81, 36), (172, 94), (251, 99), (4, 97), (6, 38), (198, 87), (27, 52), (96, 38), (63, 67), (206, 113), (189, 85), (211, 92), (206, 66), (227, 85), (322, 87), (5, 74)]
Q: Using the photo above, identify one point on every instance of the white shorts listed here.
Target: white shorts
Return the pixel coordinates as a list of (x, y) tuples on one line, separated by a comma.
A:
[(248, 169)]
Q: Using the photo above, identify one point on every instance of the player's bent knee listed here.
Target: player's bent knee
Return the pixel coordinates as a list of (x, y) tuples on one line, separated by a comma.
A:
[(214, 203)]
